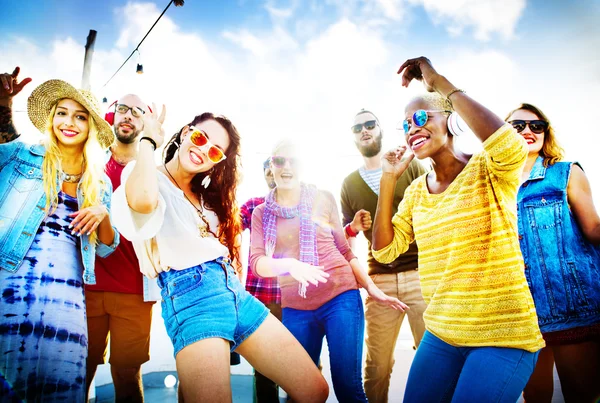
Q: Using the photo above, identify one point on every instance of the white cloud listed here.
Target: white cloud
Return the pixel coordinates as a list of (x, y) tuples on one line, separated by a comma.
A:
[(391, 9), (274, 85), (247, 41), (280, 13), (484, 16)]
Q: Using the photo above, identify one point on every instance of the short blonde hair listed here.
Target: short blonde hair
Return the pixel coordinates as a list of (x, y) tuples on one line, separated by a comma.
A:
[(435, 101), (552, 151), (283, 144)]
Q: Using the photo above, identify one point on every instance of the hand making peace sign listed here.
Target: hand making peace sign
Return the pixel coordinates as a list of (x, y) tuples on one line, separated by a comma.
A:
[(153, 124)]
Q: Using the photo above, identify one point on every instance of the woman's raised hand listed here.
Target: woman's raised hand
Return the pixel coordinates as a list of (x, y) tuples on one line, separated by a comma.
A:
[(10, 86), (419, 69), (153, 122), (306, 273), (393, 162)]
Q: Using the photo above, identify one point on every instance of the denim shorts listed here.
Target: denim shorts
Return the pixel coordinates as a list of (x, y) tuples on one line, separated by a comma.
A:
[(208, 301)]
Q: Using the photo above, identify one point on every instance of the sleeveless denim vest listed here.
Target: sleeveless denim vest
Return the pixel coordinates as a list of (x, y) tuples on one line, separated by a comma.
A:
[(561, 266)]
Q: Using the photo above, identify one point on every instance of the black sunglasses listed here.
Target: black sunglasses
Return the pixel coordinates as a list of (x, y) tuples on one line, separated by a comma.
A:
[(536, 126), (369, 125), (135, 111)]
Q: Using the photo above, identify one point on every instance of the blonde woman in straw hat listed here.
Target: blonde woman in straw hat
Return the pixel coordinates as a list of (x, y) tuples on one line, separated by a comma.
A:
[(54, 219)]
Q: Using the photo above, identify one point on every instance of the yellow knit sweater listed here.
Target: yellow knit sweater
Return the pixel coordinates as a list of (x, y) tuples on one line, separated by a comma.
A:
[(470, 263)]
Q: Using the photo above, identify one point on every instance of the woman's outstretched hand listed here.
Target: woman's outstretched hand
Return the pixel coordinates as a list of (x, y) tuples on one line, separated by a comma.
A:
[(381, 298), (419, 69), (392, 162), (306, 273)]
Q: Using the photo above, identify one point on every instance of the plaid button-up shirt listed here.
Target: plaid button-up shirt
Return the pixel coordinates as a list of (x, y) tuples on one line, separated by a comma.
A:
[(266, 290)]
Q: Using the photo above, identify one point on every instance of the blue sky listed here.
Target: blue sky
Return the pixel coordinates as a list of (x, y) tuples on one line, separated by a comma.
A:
[(302, 68), (48, 19)]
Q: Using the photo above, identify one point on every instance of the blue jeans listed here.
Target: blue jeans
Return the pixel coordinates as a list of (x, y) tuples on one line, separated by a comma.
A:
[(444, 373), (342, 321)]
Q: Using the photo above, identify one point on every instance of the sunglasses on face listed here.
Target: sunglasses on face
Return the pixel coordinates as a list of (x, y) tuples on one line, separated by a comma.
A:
[(135, 111), (200, 139), (536, 126), (369, 125), (419, 119), (279, 162)]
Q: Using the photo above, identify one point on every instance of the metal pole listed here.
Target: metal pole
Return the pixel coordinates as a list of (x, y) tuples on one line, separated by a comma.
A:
[(87, 62)]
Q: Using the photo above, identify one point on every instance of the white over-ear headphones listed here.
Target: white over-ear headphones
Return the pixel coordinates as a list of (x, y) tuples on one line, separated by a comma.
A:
[(456, 125)]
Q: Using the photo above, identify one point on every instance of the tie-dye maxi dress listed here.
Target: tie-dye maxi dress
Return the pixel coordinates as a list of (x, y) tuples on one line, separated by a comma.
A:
[(43, 331)]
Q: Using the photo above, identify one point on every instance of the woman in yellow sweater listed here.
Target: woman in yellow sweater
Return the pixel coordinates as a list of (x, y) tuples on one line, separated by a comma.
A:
[(482, 337)]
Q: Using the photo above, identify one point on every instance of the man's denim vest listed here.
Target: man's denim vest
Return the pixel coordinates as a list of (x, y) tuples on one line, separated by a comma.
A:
[(22, 208), (561, 266)]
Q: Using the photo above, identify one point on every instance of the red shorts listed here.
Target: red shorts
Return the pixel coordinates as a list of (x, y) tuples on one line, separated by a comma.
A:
[(126, 319)]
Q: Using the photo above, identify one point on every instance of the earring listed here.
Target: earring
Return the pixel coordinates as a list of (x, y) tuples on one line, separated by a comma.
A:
[(206, 181)]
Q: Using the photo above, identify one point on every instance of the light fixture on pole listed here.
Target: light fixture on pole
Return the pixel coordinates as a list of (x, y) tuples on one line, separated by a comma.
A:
[(139, 69)]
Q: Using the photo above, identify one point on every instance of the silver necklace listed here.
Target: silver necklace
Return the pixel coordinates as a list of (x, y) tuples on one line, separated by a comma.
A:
[(71, 178), (203, 227)]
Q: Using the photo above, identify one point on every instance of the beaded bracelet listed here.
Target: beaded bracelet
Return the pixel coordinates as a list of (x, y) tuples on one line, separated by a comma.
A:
[(452, 92)]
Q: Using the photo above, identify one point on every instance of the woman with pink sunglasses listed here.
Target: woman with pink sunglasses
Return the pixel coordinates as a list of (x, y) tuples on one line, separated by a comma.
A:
[(184, 223), (297, 236)]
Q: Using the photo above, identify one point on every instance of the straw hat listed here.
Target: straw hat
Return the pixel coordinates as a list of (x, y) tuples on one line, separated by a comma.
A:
[(43, 98)]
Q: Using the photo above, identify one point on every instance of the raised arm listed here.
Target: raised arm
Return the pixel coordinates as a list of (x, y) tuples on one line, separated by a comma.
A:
[(393, 166), (480, 119), (141, 188), (9, 87)]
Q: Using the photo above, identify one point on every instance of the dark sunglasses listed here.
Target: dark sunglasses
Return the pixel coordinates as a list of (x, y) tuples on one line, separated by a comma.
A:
[(279, 162), (419, 119), (369, 125), (135, 111), (536, 126), (200, 139)]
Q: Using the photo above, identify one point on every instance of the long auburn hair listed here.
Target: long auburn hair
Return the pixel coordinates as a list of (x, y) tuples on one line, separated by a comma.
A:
[(220, 195), (92, 184), (551, 150)]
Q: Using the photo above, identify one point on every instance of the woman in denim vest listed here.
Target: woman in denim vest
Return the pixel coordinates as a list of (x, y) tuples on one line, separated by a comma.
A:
[(54, 219), (183, 221), (559, 232)]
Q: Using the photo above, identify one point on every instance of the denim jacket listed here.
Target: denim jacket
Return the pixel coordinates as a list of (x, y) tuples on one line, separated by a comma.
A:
[(561, 266), (22, 208)]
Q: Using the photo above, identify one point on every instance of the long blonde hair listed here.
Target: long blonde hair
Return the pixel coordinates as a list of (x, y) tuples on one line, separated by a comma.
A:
[(92, 182), (551, 150)]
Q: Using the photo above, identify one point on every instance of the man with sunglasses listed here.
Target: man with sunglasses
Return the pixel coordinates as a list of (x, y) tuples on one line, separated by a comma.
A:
[(119, 305), (359, 194)]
